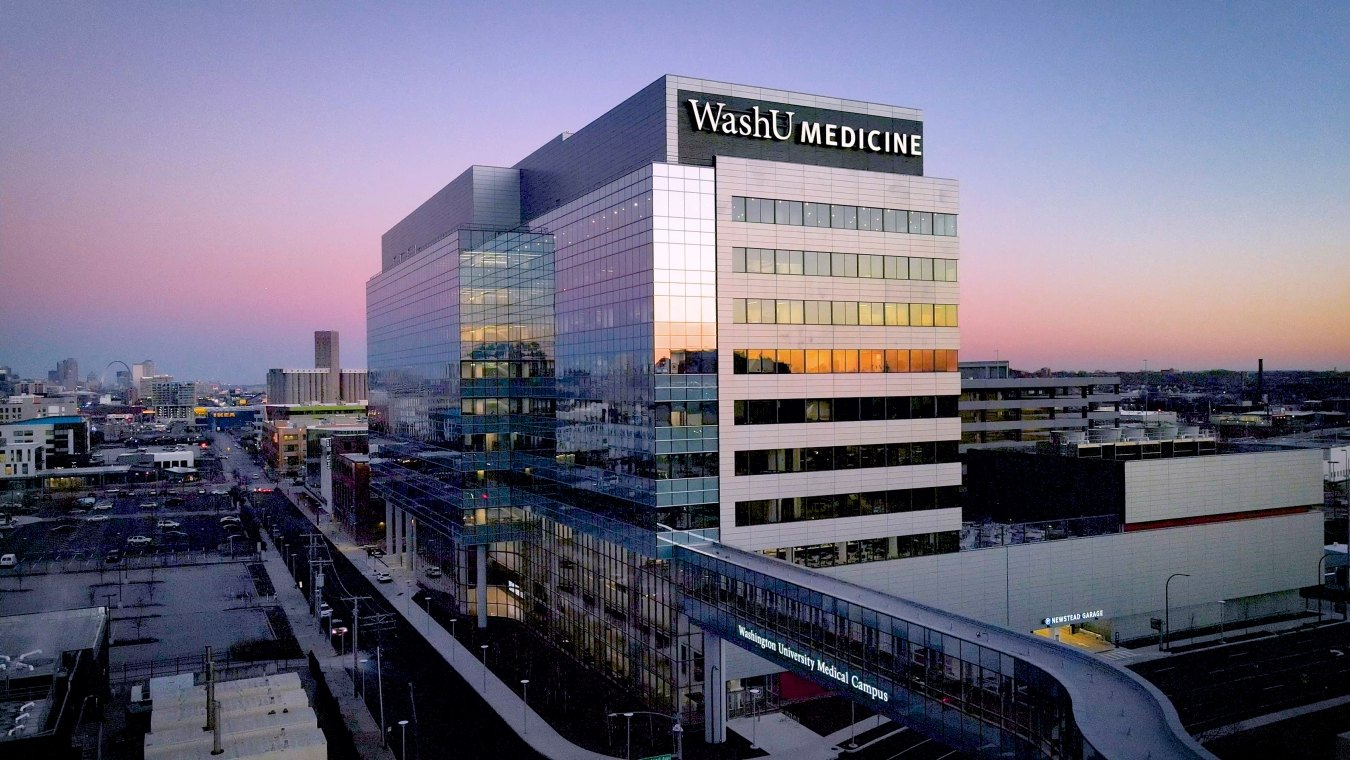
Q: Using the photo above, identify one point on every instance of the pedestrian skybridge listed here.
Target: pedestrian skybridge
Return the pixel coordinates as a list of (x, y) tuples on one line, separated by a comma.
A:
[(974, 686)]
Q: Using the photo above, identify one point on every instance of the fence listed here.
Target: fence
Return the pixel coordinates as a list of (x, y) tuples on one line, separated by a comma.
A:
[(144, 670)]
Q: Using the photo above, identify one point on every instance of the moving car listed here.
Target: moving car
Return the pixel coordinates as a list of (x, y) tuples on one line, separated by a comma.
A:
[(384, 577)]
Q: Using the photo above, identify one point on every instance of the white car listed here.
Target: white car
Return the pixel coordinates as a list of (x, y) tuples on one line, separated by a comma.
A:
[(168, 524), (140, 541), (99, 518), (103, 506), (384, 577)]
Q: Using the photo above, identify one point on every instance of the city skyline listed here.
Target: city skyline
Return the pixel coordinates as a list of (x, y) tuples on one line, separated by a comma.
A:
[(211, 183)]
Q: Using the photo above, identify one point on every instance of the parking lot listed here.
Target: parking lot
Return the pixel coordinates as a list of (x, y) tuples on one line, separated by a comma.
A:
[(177, 524), (157, 612)]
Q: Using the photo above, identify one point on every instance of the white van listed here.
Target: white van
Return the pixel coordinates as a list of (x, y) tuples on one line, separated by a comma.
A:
[(8, 560)]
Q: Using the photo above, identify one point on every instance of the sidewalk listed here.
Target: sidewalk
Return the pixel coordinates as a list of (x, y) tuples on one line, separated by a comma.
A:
[(365, 732), (503, 699)]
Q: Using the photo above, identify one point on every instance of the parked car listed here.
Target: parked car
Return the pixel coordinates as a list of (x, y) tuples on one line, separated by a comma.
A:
[(64, 528), (168, 524), (103, 506), (140, 541), (113, 557), (384, 577), (99, 518), (149, 505), (433, 572), (8, 560)]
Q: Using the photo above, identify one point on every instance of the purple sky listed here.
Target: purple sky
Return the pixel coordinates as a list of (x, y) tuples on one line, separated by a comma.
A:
[(206, 185)]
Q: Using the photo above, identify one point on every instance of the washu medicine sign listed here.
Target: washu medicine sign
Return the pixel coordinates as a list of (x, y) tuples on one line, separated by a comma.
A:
[(810, 662), (782, 126)]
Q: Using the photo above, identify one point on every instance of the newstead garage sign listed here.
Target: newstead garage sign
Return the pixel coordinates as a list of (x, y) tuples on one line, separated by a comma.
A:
[(820, 666)]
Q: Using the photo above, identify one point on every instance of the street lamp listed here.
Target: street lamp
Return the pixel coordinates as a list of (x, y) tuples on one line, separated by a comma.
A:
[(678, 731), (1167, 607), (1321, 584), (1223, 613), (754, 719), (403, 744), (525, 704), (453, 641), (363, 661), (483, 648), (628, 753)]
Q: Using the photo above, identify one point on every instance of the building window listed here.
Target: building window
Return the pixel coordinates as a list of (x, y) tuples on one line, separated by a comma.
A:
[(840, 216), (849, 457), (788, 361)]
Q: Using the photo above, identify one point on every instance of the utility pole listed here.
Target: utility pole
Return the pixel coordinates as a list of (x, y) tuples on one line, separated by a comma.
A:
[(356, 633)]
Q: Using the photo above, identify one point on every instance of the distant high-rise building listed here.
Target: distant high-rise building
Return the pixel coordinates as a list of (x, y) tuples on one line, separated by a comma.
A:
[(68, 374), (172, 400), (326, 357), (327, 383), (140, 371)]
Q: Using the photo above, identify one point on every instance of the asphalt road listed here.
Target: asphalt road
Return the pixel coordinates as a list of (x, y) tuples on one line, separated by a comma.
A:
[(1226, 684), (444, 712)]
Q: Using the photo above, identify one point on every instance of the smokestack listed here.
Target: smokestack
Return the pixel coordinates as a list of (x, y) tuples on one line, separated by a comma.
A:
[(1260, 381)]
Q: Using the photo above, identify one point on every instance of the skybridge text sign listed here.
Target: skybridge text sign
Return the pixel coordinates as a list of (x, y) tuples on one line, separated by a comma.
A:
[(712, 125), (820, 666)]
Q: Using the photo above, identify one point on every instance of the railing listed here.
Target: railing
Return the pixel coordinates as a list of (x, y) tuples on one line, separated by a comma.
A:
[(144, 670)]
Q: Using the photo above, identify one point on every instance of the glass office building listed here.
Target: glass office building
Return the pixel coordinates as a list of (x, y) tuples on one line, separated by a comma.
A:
[(716, 313)]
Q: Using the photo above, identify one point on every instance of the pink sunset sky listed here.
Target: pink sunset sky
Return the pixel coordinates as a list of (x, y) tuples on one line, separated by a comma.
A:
[(206, 185)]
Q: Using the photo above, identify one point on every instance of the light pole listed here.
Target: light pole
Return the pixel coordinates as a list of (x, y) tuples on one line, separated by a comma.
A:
[(678, 731), (379, 677), (754, 719), (525, 704), (403, 743), (1223, 613), (1167, 607), (483, 648), (363, 662), (453, 641), (1321, 584), (628, 753)]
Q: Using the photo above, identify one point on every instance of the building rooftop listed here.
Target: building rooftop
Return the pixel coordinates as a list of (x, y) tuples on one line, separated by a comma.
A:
[(65, 420), (43, 636)]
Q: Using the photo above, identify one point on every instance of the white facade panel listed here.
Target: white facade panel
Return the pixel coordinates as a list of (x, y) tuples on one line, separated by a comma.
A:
[(1171, 489), (1122, 574)]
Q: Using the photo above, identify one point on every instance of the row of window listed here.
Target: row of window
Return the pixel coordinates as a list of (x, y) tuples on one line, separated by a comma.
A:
[(686, 413), (841, 217), (826, 361), (853, 457), (829, 506), (868, 549), (786, 411), (789, 311), (826, 264), (696, 465), (539, 407)]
